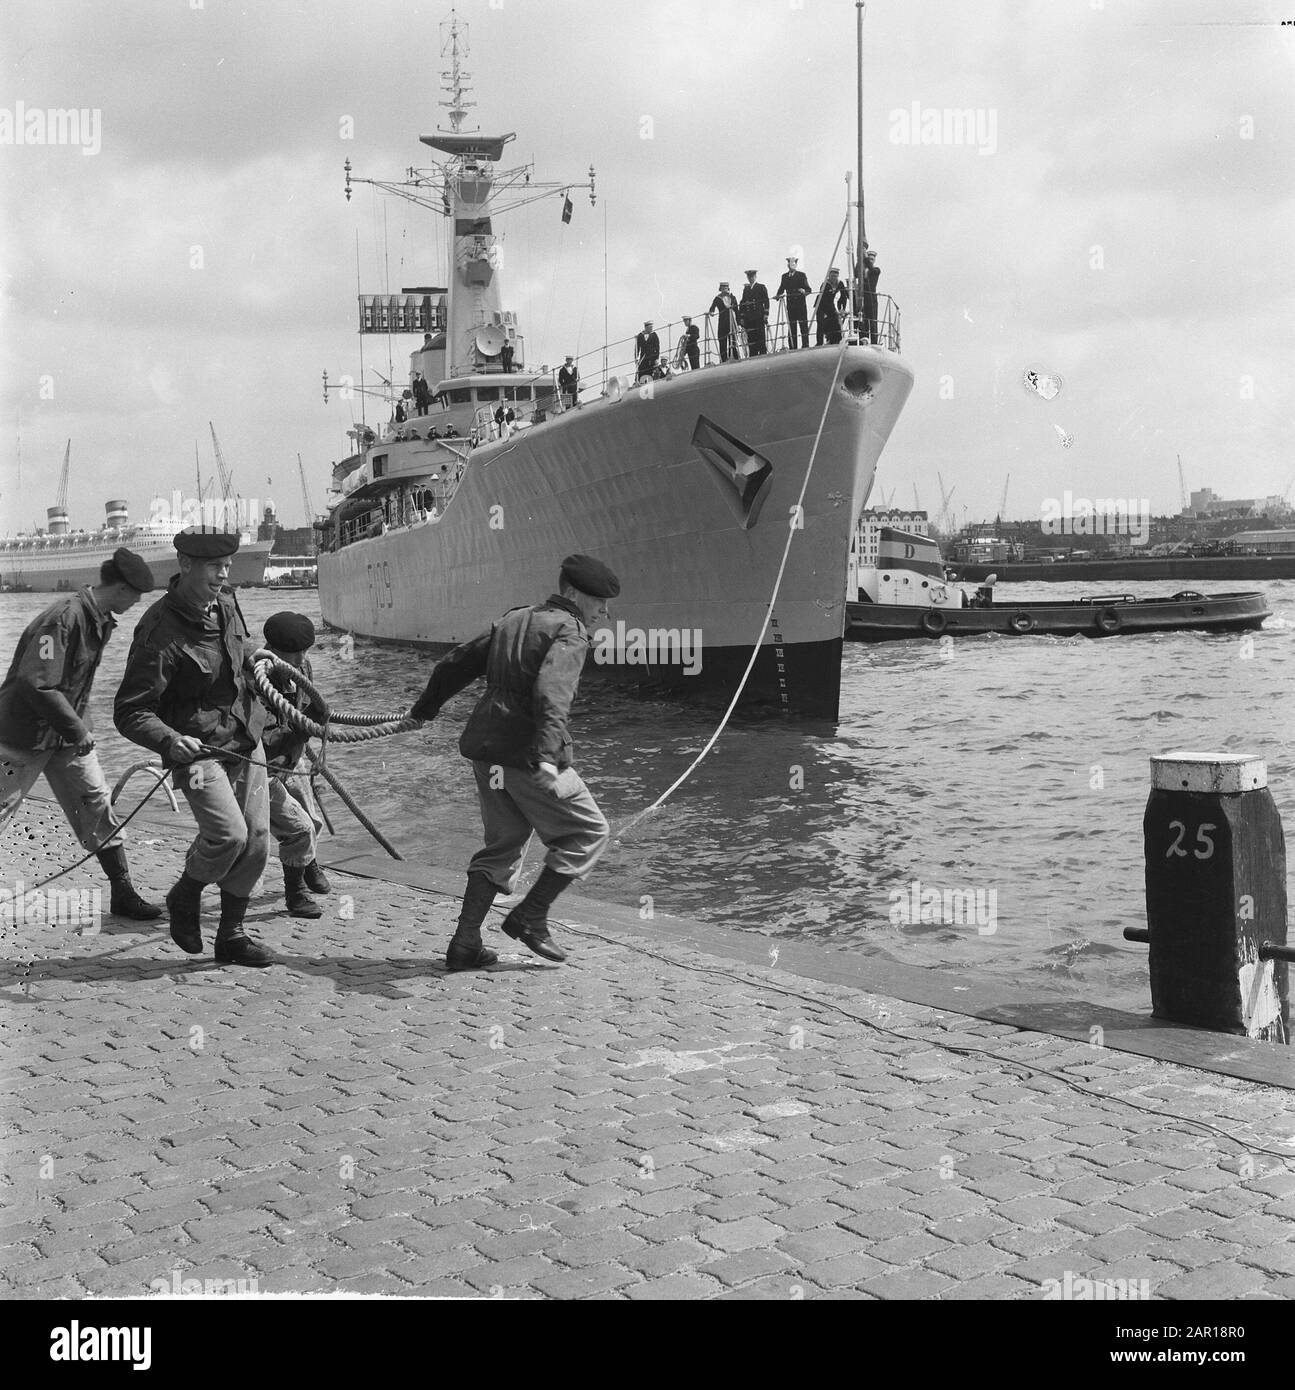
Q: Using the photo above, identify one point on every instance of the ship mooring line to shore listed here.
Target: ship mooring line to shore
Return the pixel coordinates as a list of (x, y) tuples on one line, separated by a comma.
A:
[(797, 514)]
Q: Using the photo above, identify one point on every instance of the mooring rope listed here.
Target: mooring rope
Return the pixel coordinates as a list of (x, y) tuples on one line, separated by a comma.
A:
[(768, 613), (359, 728)]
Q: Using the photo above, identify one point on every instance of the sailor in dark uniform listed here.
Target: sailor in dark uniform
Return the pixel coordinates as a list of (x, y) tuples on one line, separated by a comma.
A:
[(796, 289), (831, 302), (520, 749), (188, 695), (871, 274), (647, 349), (45, 725), (754, 313), (725, 305), (569, 383)]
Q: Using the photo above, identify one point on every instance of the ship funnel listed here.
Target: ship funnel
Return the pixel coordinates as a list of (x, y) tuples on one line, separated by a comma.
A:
[(58, 523), (118, 514)]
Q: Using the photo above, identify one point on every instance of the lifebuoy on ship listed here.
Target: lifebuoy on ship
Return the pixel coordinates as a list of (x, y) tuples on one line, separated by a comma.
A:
[(1021, 622), (1109, 620), (934, 622)]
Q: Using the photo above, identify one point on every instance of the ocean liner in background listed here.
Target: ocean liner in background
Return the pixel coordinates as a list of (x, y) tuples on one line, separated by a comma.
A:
[(57, 559), (687, 484)]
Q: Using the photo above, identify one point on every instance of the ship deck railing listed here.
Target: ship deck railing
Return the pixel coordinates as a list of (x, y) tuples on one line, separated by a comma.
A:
[(883, 331)]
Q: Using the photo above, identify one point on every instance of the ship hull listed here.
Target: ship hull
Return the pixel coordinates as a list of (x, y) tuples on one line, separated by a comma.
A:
[(645, 483), (59, 569)]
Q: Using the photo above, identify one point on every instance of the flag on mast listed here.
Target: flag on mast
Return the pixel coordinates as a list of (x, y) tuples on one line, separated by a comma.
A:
[(567, 208)]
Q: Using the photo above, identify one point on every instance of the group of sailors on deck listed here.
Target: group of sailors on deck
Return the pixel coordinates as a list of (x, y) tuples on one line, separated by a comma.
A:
[(742, 325)]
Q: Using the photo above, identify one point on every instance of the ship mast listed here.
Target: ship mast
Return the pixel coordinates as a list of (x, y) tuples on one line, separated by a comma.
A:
[(469, 188)]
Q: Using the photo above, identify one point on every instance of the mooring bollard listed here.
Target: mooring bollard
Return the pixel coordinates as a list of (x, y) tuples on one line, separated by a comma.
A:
[(1216, 896)]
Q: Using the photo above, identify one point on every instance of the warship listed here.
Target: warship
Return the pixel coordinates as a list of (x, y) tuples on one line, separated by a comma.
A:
[(726, 496)]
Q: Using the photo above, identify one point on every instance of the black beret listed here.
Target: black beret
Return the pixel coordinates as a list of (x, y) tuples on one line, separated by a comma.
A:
[(132, 570), (290, 632), (590, 576), (206, 543)]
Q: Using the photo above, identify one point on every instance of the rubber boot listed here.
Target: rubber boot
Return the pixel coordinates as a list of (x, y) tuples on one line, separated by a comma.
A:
[(528, 921), (465, 950), (125, 901), (184, 903), (314, 879), (233, 945), (300, 903)]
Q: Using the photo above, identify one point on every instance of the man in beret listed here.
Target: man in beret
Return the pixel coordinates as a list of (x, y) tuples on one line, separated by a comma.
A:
[(294, 817), (188, 695), (45, 725), (520, 749)]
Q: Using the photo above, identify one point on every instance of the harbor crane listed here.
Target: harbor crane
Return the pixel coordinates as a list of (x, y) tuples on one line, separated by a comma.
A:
[(946, 509), (61, 500), (305, 492), (1182, 486), (1002, 505)]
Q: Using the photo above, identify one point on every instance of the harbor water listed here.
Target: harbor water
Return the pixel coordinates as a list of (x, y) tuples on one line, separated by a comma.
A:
[(1009, 775)]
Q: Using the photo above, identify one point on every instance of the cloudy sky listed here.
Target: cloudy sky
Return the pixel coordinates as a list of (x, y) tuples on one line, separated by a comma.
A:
[(1124, 225)]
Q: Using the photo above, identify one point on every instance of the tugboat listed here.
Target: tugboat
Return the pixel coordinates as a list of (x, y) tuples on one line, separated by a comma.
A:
[(686, 482), (907, 593)]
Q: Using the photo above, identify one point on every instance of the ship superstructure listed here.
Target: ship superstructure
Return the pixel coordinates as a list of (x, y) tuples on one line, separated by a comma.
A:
[(687, 483)]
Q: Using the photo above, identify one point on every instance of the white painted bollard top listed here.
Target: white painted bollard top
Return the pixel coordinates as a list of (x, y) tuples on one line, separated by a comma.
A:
[(1223, 773)]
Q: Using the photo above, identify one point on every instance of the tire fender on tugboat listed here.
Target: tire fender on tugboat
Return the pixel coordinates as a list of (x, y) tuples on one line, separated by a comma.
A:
[(1021, 622), (1108, 620), (934, 622)]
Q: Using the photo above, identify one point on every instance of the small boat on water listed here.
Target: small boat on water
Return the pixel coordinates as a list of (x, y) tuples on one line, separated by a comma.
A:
[(907, 594)]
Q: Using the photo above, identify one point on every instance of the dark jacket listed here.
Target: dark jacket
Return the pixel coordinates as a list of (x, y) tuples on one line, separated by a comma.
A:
[(755, 305), (44, 697), (647, 346), (284, 743), (532, 659), (188, 675), (795, 285)]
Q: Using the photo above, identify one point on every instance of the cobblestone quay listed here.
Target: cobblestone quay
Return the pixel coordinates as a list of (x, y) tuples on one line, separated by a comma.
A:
[(645, 1122)]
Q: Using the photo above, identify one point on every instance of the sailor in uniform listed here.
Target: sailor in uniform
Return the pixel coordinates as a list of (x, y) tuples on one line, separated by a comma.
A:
[(795, 288), (517, 741), (188, 695), (725, 305), (754, 313), (45, 726)]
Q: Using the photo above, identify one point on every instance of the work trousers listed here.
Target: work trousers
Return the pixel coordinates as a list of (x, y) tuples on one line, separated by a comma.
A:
[(797, 318), (76, 779), (567, 820), (294, 820), (755, 340), (231, 804)]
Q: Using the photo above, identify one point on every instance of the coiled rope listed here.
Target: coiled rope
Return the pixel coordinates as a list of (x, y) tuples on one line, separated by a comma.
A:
[(357, 728)]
